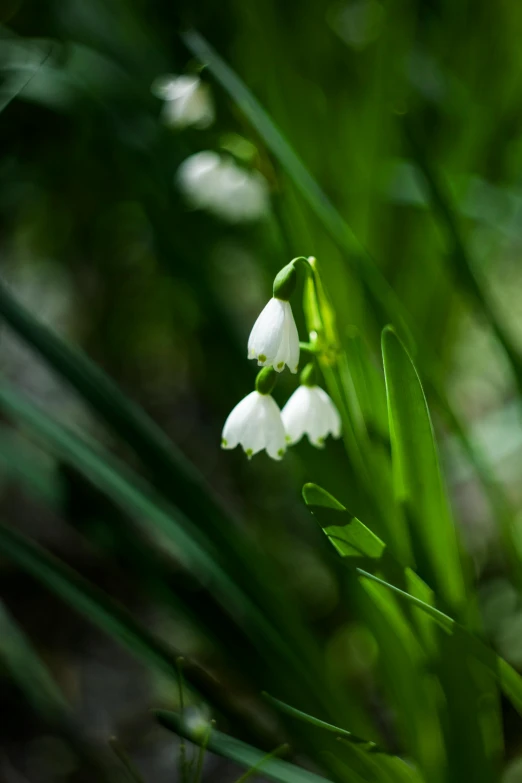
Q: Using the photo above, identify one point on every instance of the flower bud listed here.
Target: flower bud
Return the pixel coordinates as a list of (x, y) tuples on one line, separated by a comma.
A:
[(284, 282), (308, 376), (266, 380)]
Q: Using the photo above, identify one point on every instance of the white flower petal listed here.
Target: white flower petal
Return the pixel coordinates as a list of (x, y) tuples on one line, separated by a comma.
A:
[(237, 420), (311, 412), (228, 190), (255, 424), (334, 419), (188, 101), (293, 339), (266, 334), (274, 430), (295, 412), (274, 340)]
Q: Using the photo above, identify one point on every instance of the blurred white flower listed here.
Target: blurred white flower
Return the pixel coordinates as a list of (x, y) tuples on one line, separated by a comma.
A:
[(188, 101), (310, 411), (216, 183), (274, 340), (255, 424)]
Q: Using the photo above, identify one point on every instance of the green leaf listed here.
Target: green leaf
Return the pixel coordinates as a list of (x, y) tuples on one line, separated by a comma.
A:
[(418, 479), (351, 537), (321, 724), (418, 595), (240, 752)]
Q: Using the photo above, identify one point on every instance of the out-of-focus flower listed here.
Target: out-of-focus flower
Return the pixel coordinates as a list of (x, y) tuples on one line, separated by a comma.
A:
[(274, 340), (216, 183), (188, 101), (310, 411), (255, 424)]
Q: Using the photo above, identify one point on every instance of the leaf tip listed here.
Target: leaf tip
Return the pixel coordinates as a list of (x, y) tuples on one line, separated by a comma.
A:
[(314, 495)]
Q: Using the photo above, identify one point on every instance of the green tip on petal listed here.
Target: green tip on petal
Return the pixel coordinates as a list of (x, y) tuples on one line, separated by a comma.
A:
[(281, 453), (249, 453), (224, 442), (280, 365), (262, 357)]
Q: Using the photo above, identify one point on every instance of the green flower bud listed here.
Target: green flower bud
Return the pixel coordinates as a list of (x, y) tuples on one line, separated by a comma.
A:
[(284, 282), (266, 380)]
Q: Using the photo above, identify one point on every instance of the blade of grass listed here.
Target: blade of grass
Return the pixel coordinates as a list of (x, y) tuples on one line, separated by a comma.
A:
[(321, 724), (44, 696), (126, 490), (240, 752), (466, 271), (120, 753), (509, 680), (418, 478)]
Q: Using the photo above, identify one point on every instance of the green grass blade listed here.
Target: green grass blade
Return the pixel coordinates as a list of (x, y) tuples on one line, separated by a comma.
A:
[(324, 505), (45, 697), (349, 536), (418, 478), (128, 491), (87, 599), (447, 214), (29, 673), (103, 395), (240, 752), (320, 724)]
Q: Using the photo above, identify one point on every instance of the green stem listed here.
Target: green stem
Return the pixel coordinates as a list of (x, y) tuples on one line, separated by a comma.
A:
[(201, 754), (183, 767)]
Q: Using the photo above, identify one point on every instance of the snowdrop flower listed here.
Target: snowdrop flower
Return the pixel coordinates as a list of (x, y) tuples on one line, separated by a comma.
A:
[(255, 423), (187, 101), (274, 340), (310, 411), (216, 183)]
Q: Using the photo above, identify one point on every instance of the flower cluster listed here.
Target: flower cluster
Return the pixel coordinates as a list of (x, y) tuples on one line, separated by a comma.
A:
[(256, 423), (211, 180)]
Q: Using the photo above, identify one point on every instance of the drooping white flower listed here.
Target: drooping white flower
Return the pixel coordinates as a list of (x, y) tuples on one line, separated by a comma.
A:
[(216, 183), (274, 340), (255, 424), (188, 101), (310, 411)]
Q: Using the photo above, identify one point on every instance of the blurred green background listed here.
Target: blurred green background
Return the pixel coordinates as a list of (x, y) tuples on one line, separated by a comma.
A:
[(397, 108)]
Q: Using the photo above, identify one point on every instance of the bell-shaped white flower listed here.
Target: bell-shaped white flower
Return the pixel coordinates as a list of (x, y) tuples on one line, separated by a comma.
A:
[(255, 424), (274, 340), (310, 411), (216, 183), (188, 101)]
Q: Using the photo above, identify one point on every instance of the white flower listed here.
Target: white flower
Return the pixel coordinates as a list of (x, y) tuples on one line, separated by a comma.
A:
[(216, 183), (187, 101), (274, 340), (310, 411), (255, 424)]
